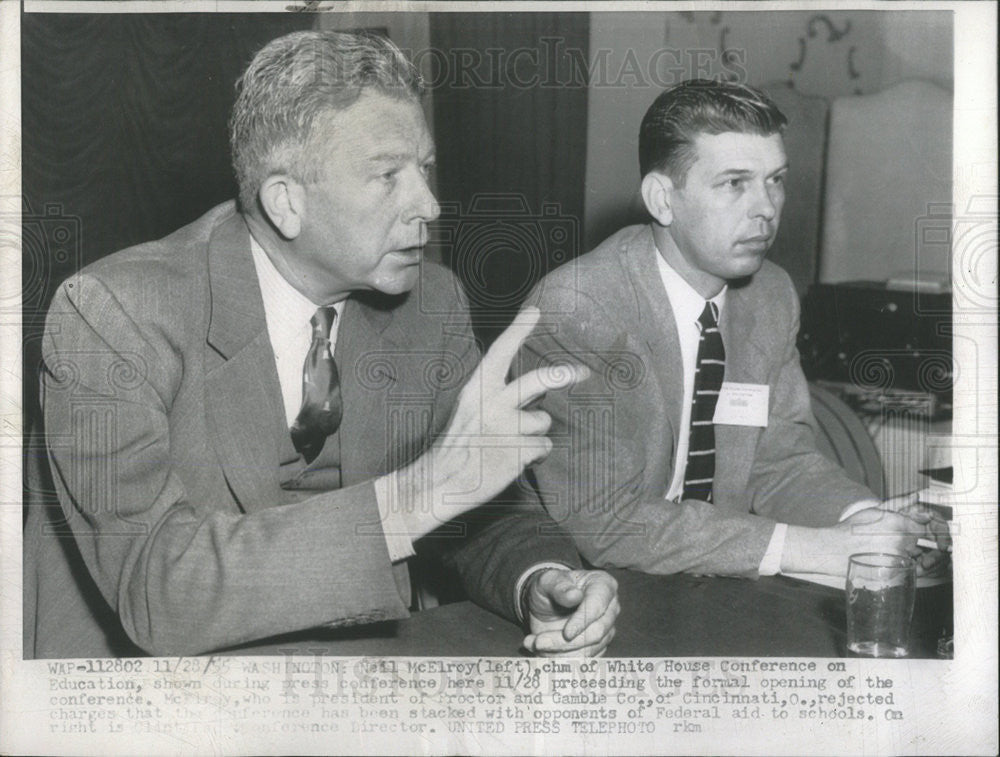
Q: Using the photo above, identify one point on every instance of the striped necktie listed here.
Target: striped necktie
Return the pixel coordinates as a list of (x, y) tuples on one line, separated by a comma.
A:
[(322, 407), (708, 376)]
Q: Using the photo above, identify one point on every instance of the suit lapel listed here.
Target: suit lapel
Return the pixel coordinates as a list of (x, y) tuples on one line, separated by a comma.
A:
[(657, 327), (242, 393), (746, 363)]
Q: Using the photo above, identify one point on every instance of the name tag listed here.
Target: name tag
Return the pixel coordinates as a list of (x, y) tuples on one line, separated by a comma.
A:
[(742, 404)]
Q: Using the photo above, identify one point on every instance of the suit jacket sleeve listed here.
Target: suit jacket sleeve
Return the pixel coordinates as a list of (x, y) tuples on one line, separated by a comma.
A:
[(184, 574), (791, 480), (593, 482)]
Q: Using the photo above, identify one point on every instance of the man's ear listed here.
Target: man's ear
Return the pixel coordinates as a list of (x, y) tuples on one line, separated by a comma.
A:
[(657, 194), (283, 201)]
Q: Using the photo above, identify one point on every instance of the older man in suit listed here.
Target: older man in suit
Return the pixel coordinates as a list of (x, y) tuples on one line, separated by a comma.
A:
[(251, 421), (691, 446)]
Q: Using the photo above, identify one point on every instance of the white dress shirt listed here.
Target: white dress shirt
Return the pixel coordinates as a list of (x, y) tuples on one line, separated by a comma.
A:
[(687, 306), (288, 312)]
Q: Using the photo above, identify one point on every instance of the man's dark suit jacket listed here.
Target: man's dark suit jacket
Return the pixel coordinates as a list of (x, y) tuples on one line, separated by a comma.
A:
[(188, 522), (615, 435)]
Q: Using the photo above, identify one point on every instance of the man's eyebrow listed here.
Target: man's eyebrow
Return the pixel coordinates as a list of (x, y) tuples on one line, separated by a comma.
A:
[(388, 157), (734, 172), (744, 172), (399, 157)]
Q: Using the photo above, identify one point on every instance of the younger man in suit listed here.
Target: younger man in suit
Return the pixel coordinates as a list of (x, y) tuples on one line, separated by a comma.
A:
[(691, 446), (251, 421)]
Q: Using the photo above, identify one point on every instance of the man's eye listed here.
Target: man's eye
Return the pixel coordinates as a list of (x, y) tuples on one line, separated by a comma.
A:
[(779, 179), (427, 169), (388, 175), (734, 183)]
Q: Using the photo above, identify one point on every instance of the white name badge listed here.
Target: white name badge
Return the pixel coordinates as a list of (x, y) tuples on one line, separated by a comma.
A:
[(742, 404)]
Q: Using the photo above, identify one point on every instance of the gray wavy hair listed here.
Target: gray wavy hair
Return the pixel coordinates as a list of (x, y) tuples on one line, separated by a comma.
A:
[(291, 82)]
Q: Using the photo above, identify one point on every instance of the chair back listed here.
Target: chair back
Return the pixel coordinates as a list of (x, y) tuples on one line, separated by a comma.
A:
[(844, 439)]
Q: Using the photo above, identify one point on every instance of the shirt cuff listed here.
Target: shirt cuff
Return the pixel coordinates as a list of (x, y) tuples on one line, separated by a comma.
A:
[(522, 582), (397, 537), (770, 563), (856, 507)]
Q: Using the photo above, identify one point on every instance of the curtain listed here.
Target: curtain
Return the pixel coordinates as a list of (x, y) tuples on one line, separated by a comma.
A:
[(510, 116)]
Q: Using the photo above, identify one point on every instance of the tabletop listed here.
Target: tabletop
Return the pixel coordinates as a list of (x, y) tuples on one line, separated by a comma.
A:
[(662, 616)]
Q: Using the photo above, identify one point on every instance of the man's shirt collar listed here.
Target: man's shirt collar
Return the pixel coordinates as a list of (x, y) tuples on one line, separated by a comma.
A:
[(685, 301), (287, 310)]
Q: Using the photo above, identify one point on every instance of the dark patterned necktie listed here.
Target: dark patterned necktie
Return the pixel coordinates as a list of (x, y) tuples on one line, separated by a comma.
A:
[(322, 407), (708, 376)]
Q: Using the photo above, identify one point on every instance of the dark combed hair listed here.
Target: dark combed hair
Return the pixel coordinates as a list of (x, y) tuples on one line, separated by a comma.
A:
[(700, 106), (293, 81)]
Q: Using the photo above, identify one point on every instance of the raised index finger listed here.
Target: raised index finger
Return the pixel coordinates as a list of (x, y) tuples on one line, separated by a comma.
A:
[(533, 384), (496, 362)]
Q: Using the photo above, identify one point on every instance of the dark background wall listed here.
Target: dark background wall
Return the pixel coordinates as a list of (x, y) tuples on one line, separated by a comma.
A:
[(512, 143)]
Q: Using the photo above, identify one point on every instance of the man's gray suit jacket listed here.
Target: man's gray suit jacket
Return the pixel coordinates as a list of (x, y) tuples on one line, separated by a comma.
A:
[(616, 434), (187, 521)]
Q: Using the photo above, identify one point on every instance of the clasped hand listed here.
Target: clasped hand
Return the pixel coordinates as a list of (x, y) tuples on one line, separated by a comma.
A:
[(571, 612)]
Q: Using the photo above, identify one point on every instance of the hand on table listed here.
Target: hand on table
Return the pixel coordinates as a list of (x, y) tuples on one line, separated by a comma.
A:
[(571, 613), (895, 527), (934, 530)]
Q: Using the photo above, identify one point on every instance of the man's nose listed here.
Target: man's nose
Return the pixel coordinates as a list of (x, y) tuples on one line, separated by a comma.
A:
[(423, 204), (766, 203)]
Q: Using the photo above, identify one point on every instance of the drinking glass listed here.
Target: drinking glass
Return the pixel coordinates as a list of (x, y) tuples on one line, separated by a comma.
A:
[(881, 589)]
